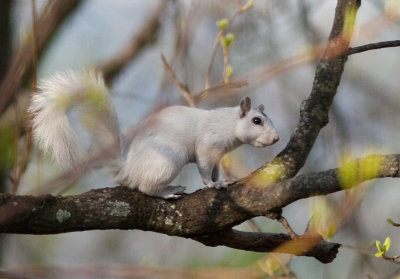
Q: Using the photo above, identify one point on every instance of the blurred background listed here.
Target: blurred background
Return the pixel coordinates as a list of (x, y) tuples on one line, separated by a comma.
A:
[(271, 50)]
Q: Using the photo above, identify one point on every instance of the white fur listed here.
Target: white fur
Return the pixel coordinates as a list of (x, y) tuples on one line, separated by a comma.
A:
[(163, 143), (51, 128)]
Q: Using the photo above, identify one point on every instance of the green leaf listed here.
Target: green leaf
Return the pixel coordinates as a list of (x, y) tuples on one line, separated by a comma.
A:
[(227, 40), (222, 23), (386, 244), (379, 254), (378, 246)]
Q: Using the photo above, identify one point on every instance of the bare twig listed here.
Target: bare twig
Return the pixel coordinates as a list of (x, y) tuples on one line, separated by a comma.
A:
[(214, 51), (47, 24), (287, 227), (393, 259), (20, 167), (147, 35), (35, 49), (359, 49), (254, 227), (186, 94), (220, 88), (390, 221), (192, 98), (225, 77), (268, 72)]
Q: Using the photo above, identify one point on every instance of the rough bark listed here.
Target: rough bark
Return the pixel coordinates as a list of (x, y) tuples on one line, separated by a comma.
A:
[(207, 215)]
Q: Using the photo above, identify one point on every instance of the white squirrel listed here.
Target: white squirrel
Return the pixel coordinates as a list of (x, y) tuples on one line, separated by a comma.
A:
[(163, 143)]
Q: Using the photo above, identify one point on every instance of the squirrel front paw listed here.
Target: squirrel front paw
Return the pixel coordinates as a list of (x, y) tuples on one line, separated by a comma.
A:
[(217, 184)]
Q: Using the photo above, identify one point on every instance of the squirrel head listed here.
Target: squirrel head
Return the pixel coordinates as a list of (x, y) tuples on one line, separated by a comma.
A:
[(253, 125)]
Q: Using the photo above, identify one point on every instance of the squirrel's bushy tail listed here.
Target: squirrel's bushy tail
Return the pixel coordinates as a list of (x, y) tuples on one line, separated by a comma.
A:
[(52, 131)]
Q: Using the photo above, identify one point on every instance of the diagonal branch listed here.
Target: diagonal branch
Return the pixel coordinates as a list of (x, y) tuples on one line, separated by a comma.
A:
[(314, 111), (146, 36), (186, 94)]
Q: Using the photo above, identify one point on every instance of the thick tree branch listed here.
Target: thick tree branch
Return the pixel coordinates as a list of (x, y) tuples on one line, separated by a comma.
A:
[(306, 245), (207, 215)]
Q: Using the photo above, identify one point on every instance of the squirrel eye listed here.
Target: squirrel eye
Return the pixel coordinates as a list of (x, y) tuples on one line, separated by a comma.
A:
[(257, 120)]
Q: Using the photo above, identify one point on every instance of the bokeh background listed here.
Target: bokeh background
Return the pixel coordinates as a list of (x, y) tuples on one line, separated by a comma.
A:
[(364, 120)]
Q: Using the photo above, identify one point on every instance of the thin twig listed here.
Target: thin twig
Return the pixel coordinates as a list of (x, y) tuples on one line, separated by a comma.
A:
[(215, 45), (186, 30), (146, 35), (236, 84), (19, 168), (392, 259), (50, 19), (358, 249), (17, 134), (386, 44), (34, 48), (184, 91), (214, 51), (254, 227), (390, 221), (287, 227), (225, 77)]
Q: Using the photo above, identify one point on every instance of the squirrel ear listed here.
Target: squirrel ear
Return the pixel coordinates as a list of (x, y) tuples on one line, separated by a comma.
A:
[(261, 107), (245, 106)]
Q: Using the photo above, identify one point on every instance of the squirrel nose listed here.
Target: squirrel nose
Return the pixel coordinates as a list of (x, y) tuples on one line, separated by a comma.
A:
[(275, 139)]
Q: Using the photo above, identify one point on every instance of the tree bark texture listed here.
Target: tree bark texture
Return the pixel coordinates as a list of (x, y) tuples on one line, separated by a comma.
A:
[(207, 215)]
